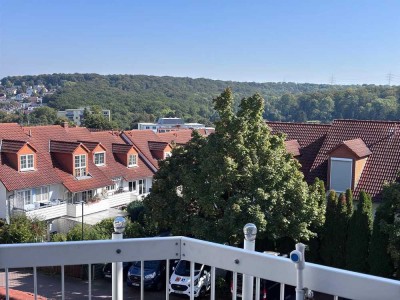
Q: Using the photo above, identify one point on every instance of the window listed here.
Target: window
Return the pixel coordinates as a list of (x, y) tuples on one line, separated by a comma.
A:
[(80, 165), (99, 159), (132, 186), (42, 194), (25, 197), (111, 187), (167, 154), (341, 174), (142, 186), (26, 162), (87, 195), (132, 160)]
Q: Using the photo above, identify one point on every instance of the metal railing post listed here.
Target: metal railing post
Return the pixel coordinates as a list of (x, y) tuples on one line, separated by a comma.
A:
[(117, 269), (297, 256), (250, 232)]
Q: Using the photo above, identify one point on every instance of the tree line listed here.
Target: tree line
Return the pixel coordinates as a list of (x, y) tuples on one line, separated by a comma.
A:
[(140, 98)]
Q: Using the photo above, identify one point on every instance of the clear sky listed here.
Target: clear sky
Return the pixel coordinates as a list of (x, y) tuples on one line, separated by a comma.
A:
[(302, 41)]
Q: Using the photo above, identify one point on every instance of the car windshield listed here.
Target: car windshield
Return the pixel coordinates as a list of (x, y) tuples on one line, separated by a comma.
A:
[(149, 264), (183, 268)]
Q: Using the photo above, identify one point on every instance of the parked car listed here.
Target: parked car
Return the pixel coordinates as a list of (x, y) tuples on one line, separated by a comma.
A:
[(179, 282), (154, 274), (107, 269)]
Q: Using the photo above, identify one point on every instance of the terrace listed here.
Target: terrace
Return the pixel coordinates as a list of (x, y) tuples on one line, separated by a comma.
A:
[(331, 281)]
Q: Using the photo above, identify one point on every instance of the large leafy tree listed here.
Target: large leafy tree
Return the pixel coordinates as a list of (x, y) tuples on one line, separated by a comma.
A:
[(242, 173), (359, 235), (389, 230), (328, 237)]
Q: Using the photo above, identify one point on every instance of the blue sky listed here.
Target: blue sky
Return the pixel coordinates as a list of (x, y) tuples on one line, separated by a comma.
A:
[(300, 41)]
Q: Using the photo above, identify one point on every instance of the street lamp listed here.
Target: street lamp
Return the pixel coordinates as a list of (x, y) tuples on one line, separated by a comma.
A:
[(82, 203)]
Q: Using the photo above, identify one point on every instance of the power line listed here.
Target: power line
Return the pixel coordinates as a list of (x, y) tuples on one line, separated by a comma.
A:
[(389, 77)]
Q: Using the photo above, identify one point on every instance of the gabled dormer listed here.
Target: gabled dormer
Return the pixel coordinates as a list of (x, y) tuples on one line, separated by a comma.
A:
[(127, 155), (160, 150), (346, 163), (20, 155), (72, 157), (98, 152)]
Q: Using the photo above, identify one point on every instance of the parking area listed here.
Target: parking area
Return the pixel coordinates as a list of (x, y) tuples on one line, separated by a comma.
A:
[(49, 286)]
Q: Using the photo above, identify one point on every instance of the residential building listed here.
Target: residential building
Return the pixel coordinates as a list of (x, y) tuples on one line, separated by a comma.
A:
[(76, 114), (57, 173), (356, 154), (170, 124)]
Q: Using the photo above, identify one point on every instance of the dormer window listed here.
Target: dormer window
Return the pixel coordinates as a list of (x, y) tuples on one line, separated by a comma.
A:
[(346, 164), (132, 160), (99, 159), (341, 174), (27, 162), (80, 165)]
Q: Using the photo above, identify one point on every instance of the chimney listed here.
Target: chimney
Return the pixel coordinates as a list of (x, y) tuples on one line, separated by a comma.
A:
[(30, 133), (65, 124)]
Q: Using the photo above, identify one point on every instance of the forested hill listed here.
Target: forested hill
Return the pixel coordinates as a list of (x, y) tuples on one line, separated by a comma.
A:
[(133, 98)]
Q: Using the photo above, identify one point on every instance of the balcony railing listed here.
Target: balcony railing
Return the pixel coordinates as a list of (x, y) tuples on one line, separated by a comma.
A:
[(319, 278)]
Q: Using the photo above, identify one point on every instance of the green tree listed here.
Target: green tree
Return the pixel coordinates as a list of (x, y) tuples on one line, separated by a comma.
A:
[(340, 235), (379, 260), (349, 203), (98, 121), (328, 237), (359, 235), (23, 230), (390, 223), (241, 173), (317, 190)]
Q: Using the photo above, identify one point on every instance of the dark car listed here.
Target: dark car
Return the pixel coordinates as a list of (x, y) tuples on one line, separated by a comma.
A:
[(154, 274), (108, 268)]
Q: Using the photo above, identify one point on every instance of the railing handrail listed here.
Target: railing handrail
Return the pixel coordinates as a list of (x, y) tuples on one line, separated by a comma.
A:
[(316, 277)]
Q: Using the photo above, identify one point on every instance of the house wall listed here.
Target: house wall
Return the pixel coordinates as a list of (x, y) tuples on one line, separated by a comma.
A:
[(12, 160), (3, 201), (26, 149), (65, 160), (358, 168), (357, 165)]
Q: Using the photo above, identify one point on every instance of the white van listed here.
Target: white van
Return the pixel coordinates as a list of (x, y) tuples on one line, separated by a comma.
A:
[(179, 283)]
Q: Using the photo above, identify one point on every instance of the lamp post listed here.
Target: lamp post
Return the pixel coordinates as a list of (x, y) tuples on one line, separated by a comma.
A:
[(82, 203), (250, 232), (116, 271)]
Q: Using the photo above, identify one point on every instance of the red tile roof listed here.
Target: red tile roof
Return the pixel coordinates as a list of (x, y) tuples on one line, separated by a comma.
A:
[(141, 139), (121, 148), (181, 136), (383, 140), (157, 146), (310, 138), (357, 146), (113, 168), (65, 147), (58, 138), (377, 140), (293, 147), (12, 146), (14, 180)]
